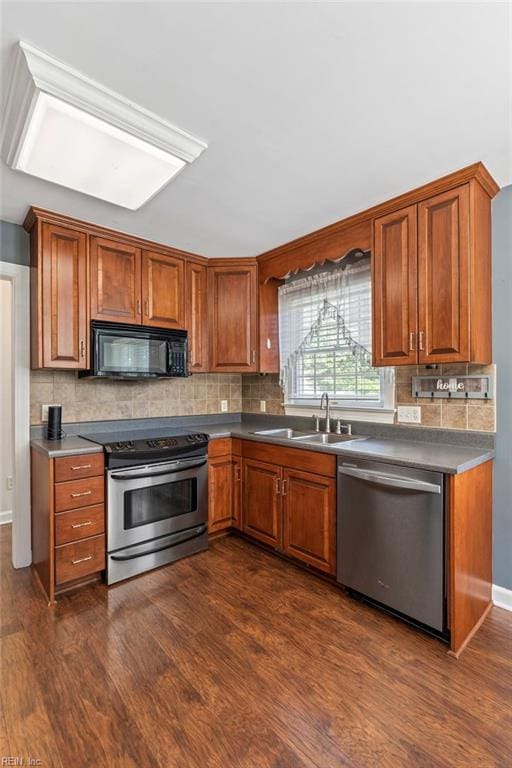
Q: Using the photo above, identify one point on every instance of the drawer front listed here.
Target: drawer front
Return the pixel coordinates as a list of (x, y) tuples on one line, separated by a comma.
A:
[(76, 467), (79, 493), (73, 561), (79, 524), (219, 446), (295, 458)]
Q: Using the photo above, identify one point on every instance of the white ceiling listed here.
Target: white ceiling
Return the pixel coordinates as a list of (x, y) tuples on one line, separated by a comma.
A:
[(311, 111)]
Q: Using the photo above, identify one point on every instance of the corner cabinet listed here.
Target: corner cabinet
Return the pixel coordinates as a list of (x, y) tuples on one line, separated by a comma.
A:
[(197, 321), (233, 318), (432, 280), (59, 330)]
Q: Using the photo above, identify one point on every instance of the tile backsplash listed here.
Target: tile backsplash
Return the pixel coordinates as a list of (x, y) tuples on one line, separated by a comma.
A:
[(98, 400), (448, 414)]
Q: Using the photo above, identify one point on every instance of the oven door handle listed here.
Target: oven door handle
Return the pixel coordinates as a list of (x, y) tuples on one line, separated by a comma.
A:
[(177, 538), (171, 468)]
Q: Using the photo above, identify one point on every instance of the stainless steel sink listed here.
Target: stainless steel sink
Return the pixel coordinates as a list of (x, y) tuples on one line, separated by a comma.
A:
[(290, 434), (320, 438), (325, 439)]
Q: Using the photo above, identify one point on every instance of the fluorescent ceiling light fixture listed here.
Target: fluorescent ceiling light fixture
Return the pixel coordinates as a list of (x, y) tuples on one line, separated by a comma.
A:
[(65, 128)]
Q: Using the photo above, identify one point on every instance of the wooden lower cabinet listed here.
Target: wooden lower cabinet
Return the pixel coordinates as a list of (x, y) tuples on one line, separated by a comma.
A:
[(289, 508), (262, 501), (224, 484), (68, 520), (237, 492), (309, 519)]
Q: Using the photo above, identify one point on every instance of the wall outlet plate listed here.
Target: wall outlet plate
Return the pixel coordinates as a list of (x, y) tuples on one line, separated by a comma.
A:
[(44, 410), (223, 406), (263, 406), (9, 483), (409, 414)]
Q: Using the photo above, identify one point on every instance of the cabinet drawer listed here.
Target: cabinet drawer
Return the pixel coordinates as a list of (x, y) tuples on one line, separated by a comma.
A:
[(219, 446), (79, 524), (73, 561), (76, 467), (79, 493), (296, 458)]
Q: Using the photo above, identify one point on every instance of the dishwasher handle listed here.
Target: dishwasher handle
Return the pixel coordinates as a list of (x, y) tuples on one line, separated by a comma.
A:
[(394, 481)]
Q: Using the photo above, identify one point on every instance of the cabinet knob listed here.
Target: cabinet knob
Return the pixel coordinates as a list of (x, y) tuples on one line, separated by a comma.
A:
[(82, 348), (138, 306), (421, 341), (411, 342), (146, 308)]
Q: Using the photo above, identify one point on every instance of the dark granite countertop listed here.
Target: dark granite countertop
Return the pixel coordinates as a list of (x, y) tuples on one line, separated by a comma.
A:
[(438, 454)]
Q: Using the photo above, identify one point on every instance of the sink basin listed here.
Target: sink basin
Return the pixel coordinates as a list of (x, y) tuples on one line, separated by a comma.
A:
[(291, 434), (320, 438), (323, 439)]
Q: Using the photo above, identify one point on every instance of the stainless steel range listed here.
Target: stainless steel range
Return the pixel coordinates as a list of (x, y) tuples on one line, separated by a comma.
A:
[(157, 499)]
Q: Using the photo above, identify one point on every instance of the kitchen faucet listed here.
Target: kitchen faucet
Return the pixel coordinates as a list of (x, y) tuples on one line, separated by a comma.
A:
[(325, 399)]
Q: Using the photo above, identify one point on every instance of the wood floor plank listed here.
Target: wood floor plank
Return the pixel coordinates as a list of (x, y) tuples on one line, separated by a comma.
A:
[(234, 658)]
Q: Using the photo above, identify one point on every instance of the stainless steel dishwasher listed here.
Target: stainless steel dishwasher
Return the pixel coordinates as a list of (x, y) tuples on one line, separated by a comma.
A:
[(391, 535)]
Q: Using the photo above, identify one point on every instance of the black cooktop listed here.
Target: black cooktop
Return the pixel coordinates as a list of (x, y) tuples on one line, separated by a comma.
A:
[(148, 444)]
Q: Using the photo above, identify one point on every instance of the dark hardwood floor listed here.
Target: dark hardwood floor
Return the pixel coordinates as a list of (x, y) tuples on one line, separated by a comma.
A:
[(234, 658)]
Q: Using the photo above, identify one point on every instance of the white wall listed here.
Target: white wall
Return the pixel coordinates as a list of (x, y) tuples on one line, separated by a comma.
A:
[(6, 410)]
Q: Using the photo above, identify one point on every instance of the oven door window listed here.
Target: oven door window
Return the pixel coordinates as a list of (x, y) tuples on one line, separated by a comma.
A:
[(143, 506), (122, 354)]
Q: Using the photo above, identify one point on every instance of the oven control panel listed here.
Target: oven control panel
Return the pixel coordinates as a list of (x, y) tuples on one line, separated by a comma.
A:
[(157, 444)]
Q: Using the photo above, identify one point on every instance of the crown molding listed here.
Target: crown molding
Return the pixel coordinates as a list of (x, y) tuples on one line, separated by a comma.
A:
[(35, 214), (35, 71), (271, 262)]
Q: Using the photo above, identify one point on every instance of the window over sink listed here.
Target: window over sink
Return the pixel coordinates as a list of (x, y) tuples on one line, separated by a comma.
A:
[(325, 319)]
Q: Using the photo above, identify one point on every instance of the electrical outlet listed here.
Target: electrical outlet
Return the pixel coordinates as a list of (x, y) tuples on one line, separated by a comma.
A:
[(263, 406), (223, 406), (44, 411), (409, 414), (9, 482)]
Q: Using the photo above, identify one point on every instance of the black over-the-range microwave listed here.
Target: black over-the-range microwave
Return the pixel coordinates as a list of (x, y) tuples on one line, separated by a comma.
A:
[(120, 351)]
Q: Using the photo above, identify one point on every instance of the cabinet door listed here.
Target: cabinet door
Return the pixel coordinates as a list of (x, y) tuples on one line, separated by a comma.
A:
[(395, 288), (115, 276), (443, 277), (63, 302), (220, 492), (196, 318), (232, 294), (261, 516), (237, 492), (163, 290), (309, 519)]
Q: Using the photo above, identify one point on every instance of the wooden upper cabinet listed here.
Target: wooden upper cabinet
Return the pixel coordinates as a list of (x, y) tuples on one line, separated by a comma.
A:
[(309, 519), (59, 311), (261, 515), (233, 315), (197, 321), (115, 276), (163, 290), (395, 288), (443, 277)]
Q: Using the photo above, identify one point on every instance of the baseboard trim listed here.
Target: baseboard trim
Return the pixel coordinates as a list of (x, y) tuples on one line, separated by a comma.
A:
[(5, 517), (502, 597)]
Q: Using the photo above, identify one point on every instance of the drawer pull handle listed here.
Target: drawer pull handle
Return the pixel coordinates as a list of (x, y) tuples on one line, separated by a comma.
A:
[(81, 525), (76, 495), (82, 466), (82, 560)]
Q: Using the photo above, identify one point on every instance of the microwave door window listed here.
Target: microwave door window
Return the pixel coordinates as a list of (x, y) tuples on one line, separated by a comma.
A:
[(131, 356)]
